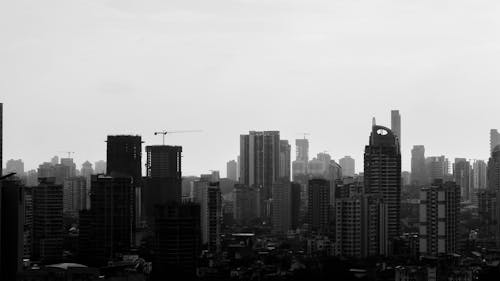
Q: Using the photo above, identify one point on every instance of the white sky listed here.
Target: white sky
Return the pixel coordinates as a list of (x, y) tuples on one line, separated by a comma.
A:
[(73, 72)]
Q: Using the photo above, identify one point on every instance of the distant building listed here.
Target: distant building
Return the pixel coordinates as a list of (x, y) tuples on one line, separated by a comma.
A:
[(246, 203), (74, 195), (302, 150), (318, 208), (494, 139), (382, 174), (259, 160), (87, 171), (439, 218), (348, 166), (208, 196), (295, 204), (15, 166), (285, 158), (437, 168), (480, 175), (12, 229), (177, 240), (405, 178), (396, 124), (71, 166), (32, 178), (282, 207), (48, 221), (418, 168), (100, 167), (124, 157), (494, 185), (232, 170), (462, 176), (28, 222)]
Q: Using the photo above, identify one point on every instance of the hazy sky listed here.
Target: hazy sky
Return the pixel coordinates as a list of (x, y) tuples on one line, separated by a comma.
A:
[(73, 72)]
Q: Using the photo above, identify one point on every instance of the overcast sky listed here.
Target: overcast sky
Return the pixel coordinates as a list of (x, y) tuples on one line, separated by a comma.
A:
[(73, 72)]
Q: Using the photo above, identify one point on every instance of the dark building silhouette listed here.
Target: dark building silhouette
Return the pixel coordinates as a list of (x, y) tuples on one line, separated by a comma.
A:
[(396, 124), (494, 185), (295, 205), (163, 181), (124, 157), (285, 161), (48, 228), (246, 203), (12, 227), (318, 205), (177, 240), (494, 139), (418, 168), (1, 138), (107, 230), (382, 174), (462, 176)]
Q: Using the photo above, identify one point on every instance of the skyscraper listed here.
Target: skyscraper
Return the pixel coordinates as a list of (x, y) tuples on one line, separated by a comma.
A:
[(436, 167), (418, 170), (494, 185), (211, 216), (285, 164), (302, 149), (48, 221), (163, 182), (282, 211), (15, 166), (12, 227), (439, 217), (318, 205), (259, 160), (396, 124), (480, 174), (100, 167), (232, 170), (382, 174), (74, 195), (124, 157), (462, 176), (348, 166), (246, 203), (494, 139)]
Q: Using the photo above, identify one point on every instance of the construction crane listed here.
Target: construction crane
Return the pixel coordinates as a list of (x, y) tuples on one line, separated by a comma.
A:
[(164, 133), (69, 153)]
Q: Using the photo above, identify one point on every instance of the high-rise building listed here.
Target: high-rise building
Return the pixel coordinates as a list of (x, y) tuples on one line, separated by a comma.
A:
[(87, 171), (232, 170), (177, 240), (12, 228), (396, 124), (68, 162), (259, 160), (1, 138), (318, 205), (382, 174), (439, 217), (110, 222), (163, 182), (437, 168), (418, 168), (15, 166), (285, 158), (124, 157), (462, 176), (211, 216), (480, 175), (100, 167), (282, 207), (361, 226), (246, 203), (302, 149), (494, 185), (348, 166), (28, 221), (295, 204), (494, 139), (74, 195), (48, 221)]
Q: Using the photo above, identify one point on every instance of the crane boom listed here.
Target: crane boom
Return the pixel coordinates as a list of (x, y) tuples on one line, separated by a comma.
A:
[(164, 133)]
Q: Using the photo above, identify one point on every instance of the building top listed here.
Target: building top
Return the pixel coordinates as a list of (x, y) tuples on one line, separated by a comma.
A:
[(383, 136)]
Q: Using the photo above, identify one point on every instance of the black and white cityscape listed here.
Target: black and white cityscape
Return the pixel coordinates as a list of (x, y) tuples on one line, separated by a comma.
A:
[(274, 216)]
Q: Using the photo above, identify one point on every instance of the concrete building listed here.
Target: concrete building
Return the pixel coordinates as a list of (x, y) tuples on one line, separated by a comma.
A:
[(48, 221), (462, 176), (494, 139), (12, 228), (15, 166), (68, 162), (437, 168), (246, 203), (260, 160), (232, 170), (494, 185), (1, 138), (302, 150), (348, 166), (282, 207), (74, 195), (382, 174), (418, 168), (87, 171), (318, 205), (124, 157), (28, 222), (100, 167), (439, 218), (285, 160), (396, 124), (480, 175), (208, 196)]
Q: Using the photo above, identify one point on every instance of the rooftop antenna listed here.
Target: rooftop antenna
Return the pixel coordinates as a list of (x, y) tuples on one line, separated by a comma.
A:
[(164, 133)]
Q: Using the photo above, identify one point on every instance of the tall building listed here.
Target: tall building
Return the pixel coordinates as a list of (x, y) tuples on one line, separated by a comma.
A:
[(396, 124), (418, 168), (494, 139), (74, 195), (87, 171), (439, 218), (124, 157), (211, 216), (48, 221), (177, 240), (318, 205), (494, 185), (163, 182), (68, 162), (100, 167), (232, 170), (282, 207), (382, 174), (1, 138), (295, 204), (302, 150), (480, 175), (462, 176), (259, 160), (12, 229), (348, 166), (28, 221), (285, 158), (15, 166), (246, 203), (437, 168), (110, 222)]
